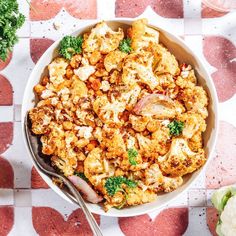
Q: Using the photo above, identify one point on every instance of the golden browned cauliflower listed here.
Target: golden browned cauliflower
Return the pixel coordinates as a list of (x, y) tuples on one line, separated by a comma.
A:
[(114, 144), (164, 61), (193, 123), (78, 88), (195, 100), (142, 36), (139, 123), (138, 68), (102, 38), (107, 111), (40, 118), (57, 70), (96, 168), (136, 196), (113, 60), (156, 144), (196, 142), (180, 160), (156, 181)]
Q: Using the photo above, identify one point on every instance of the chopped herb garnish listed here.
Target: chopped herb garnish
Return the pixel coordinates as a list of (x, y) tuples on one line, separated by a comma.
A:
[(125, 45), (176, 127), (132, 154), (70, 46), (113, 184)]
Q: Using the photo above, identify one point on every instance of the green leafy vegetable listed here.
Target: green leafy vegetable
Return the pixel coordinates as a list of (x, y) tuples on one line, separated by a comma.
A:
[(176, 127), (81, 175), (224, 200), (10, 21), (132, 154), (70, 45), (221, 196), (113, 184), (125, 45)]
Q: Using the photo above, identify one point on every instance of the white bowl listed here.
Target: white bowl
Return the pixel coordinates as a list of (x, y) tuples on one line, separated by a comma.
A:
[(184, 54)]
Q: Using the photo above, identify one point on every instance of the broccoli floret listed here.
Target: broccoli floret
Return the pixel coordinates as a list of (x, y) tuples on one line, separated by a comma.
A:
[(70, 45), (125, 45), (176, 127), (113, 184)]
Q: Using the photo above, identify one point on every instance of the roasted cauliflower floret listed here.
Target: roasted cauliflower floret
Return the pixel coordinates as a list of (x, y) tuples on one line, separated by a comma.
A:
[(40, 118), (78, 88), (97, 168), (187, 78), (154, 145), (170, 184), (107, 111), (164, 61), (153, 175), (193, 123), (156, 181), (136, 196), (195, 100), (102, 38), (142, 36), (114, 144), (138, 68), (180, 160), (57, 70), (195, 142), (139, 123), (113, 60)]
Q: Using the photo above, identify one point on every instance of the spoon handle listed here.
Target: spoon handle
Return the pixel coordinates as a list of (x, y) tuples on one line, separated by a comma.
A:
[(91, 220)]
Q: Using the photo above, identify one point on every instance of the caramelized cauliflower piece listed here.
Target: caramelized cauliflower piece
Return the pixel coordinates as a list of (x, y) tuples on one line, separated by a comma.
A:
[(196, 142), (156, 181), (170, 184), (139, 123), (187, 78), (84, 72), (180, 160), (164, 61), (107, 111), (136, 196), (113, 60), (102, 38), (78, 88), (114, 144), (138, 68), (155, 145), (96, 168), (57, 70), (195, 100), (142, 36), (40, 118), (193, 123)]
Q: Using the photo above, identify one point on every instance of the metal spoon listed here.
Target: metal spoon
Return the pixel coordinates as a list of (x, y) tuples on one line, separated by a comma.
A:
[(48, 170)]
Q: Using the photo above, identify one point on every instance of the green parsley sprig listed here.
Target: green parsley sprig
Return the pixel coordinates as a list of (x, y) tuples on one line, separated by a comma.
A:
[(10, 21), (176, 127), (125, 45), (113, 184), (70, 46), (132, 154)]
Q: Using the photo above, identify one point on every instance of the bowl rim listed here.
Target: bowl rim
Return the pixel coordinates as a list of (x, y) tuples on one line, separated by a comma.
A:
[(215, 102)]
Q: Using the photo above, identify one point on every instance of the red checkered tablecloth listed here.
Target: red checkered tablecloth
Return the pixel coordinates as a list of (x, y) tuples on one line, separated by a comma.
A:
[(27, 205)]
